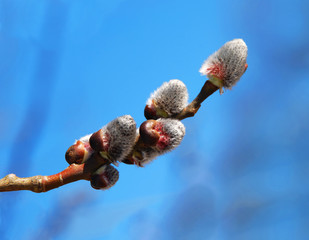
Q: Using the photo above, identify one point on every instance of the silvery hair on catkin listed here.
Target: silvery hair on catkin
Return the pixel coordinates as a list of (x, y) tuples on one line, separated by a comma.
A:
[(231, 59), (171, 97)]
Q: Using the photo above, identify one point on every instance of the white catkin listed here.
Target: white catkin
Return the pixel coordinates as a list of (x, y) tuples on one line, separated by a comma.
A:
[(232, 57), (171, 97), (122, 133)]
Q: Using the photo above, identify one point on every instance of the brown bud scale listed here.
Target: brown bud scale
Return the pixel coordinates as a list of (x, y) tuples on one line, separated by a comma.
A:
[(99, 141), (76, 153), (148, 134), (150, 111)]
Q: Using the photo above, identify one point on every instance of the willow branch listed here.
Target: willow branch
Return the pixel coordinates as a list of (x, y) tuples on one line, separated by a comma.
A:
[(194, 106), (76, 172), (38, 184)]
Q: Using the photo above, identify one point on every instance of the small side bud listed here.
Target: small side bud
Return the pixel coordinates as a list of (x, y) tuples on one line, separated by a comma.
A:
[(99, 141), (79, 152), (148, 134), (168, 100), (225, 67), (115, 140), (105, 177)]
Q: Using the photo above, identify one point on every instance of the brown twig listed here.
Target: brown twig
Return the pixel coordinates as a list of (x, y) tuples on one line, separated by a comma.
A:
[(39, 183), (194, 106)]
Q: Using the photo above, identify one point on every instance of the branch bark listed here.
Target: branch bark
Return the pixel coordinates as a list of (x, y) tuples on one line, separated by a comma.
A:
[(43, 183), (38, 184), (194, 106)]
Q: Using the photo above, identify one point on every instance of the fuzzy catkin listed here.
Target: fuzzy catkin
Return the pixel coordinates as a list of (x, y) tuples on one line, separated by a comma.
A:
[(227, 64), (122, 133), (175, 131), (171, 97), (105, 177)]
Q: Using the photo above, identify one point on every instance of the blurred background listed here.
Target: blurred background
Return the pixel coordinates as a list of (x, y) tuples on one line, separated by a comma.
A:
[(69, 67)]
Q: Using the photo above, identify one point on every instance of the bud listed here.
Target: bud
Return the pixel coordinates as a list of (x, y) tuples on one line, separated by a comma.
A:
[(105, 177), (168, 100), (157, 137), (100, 140), (225, 67), (80, 151), (115, 140), (148, 133)]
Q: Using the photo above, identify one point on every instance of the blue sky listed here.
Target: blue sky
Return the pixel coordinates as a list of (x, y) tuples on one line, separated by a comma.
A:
[(69, 67)]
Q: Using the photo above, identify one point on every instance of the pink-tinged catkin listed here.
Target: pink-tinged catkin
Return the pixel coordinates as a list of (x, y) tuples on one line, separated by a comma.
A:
[(171, 132), (225, 67), (168, 100)]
